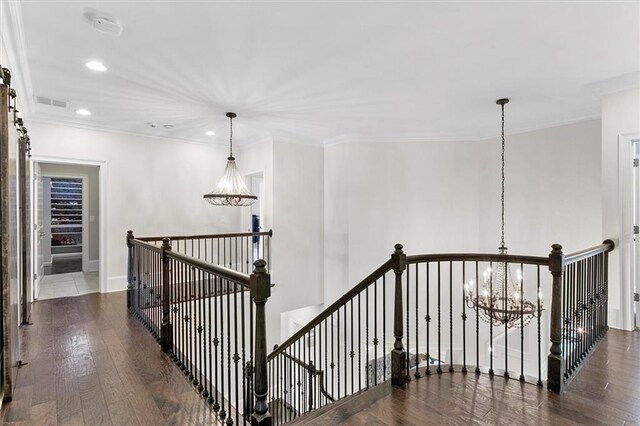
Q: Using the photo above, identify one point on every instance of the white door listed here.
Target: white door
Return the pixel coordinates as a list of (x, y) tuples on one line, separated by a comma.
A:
[(38, 229)]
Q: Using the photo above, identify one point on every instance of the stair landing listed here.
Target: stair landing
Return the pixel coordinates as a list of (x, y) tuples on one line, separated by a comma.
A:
[(605, 391)]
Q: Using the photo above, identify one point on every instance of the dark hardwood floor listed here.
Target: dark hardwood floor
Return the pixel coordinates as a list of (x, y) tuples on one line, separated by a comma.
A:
[(90, 363), (605, 391)]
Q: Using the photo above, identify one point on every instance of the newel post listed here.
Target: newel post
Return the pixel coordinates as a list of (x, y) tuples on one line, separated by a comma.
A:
[(130, 238), (555, 363), (260, 288), (166, 330), (399, 373)]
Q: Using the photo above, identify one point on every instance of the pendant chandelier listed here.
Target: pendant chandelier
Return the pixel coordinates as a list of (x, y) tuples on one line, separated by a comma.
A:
[(231, 189), (501, 300)]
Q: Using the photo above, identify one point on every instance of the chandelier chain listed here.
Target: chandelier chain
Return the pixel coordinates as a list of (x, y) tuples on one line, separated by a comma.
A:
[(502, 195), (231, 136)]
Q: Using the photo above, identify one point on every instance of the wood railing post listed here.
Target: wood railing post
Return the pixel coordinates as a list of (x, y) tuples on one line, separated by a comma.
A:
[(555, 363), (166, 330), (130, 238), (260, 288), (399, 373)]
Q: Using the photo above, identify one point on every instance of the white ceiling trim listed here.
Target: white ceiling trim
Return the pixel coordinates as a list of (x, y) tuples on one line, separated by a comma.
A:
[(13, 43), (616, 84), (75, 125), (365, 140)]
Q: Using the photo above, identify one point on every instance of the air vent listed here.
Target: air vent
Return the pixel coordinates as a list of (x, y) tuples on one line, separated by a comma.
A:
[(42, 100)]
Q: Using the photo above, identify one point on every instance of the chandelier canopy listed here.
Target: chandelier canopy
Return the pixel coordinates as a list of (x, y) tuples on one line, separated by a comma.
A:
[(231, 189), (501, 300)]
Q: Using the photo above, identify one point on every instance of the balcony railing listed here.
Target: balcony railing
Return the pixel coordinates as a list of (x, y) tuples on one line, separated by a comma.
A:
[(414, 316)]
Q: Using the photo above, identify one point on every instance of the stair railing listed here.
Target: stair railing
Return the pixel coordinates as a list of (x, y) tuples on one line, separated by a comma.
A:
[(210, 320), (413, 317), (237, 251), (579, 314)]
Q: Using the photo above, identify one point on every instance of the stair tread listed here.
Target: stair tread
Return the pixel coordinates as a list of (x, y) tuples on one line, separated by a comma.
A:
[(344, 408)]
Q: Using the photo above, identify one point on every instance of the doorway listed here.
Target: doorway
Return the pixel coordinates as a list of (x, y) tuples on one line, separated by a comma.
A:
[(67, 228)]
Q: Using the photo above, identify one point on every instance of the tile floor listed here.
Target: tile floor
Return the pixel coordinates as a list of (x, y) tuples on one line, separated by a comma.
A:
[(71, 284)]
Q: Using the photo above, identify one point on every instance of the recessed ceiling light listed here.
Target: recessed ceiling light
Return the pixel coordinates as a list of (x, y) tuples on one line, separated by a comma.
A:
[(95, 66), (210, 133), (83, 111)]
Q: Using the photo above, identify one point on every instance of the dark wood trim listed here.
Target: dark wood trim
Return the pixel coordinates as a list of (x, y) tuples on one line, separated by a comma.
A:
[(147, 246), (220, 271), (479, 257), (378, 273), (200, 237), (606, 246)]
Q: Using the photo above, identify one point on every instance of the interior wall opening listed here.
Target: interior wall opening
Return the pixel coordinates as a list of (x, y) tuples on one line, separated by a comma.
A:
[(67, 237)]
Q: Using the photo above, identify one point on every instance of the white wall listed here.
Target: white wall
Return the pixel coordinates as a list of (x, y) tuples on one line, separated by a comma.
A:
[(620, 115), (421, 194), (293, 182), (445, 196), (552, 192), (154, 185)]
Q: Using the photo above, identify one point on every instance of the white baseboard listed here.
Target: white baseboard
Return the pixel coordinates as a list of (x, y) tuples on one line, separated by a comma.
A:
[(93, 265), (614, 318), (116, 284), (65, 255)]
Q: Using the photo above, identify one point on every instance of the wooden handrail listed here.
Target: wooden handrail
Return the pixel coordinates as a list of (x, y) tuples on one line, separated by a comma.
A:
[(151, 247), (196, 237), (220, 271), (314, 371), (378, 273), (606, 246), (478, 257)]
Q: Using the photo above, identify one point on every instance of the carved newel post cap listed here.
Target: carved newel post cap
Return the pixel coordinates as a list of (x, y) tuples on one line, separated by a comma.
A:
[(259, 267), (398, 248), (556, 248), (130, 234)]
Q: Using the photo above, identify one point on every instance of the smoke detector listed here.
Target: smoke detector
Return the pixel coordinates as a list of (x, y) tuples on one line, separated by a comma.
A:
[(103, 22)]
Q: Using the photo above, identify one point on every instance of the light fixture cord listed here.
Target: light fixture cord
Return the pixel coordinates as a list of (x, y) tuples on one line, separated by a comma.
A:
[(231, 136), (502, 196)]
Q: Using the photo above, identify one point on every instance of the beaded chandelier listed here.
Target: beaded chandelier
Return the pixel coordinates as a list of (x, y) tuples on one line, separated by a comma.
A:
[(231, 189), (501, 300)]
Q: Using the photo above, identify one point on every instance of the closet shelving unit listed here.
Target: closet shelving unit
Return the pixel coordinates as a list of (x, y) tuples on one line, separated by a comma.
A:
[(66, 216)]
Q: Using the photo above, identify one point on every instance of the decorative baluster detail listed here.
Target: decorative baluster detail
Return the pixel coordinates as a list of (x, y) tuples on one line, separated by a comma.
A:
[(260, 287), (166, 332), (555, 373), (398, 355), (130, 238)]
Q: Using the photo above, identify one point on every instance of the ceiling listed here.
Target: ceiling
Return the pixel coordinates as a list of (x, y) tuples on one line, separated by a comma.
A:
[(315, 72)]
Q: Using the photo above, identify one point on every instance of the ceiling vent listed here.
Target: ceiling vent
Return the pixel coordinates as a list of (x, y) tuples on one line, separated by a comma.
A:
[(103, 22), (42, 100)]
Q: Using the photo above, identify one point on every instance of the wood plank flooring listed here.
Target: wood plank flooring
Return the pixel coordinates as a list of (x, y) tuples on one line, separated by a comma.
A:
[(605, 391), (89, 363)]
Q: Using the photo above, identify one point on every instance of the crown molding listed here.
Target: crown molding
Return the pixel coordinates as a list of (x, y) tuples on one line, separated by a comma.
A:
[(75, 125), (358, 139), (14, 45), (619, 83)]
